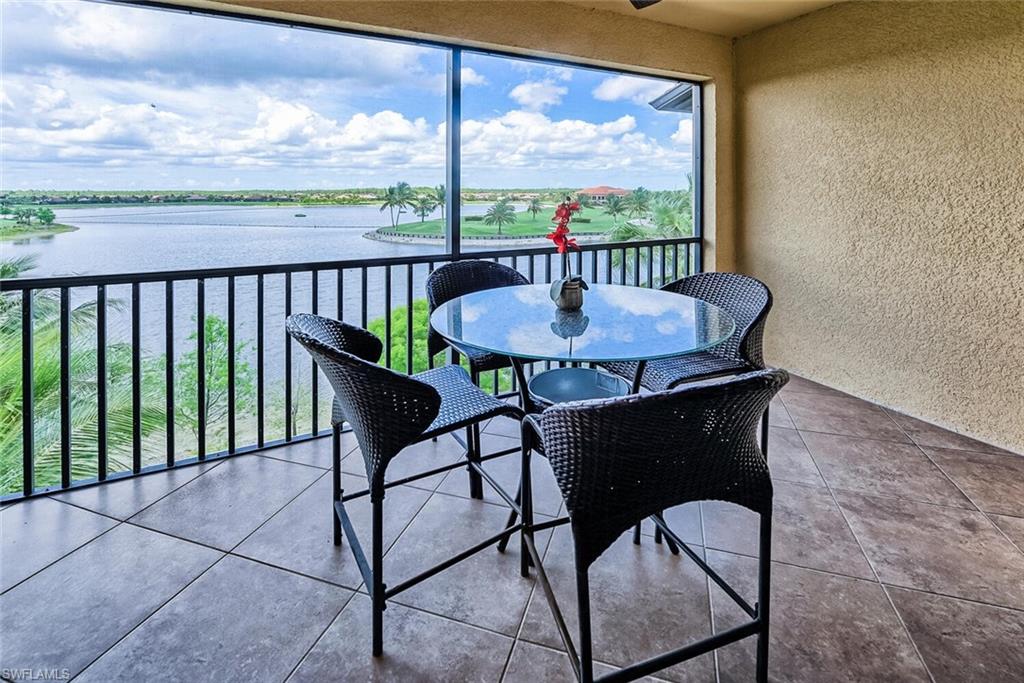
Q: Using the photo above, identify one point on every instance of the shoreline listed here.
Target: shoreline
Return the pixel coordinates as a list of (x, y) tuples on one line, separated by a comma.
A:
[(7, 235), (404, 238)]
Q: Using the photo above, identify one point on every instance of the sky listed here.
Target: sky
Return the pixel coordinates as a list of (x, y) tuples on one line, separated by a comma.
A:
[(103, 97)]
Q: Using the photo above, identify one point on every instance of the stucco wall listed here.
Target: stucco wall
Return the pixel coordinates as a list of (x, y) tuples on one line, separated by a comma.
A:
[(541, 28), (881, 181)]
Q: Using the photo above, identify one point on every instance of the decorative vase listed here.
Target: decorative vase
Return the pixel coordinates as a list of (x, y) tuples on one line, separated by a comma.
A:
[(570, 295)]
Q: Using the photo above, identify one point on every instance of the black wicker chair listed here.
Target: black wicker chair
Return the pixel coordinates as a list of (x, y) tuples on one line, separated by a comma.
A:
[(453, 280), (748, 301), (387, 412), (619, 461)]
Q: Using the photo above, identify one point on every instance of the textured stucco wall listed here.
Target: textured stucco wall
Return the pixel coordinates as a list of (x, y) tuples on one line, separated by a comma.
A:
[(542, 28), (880, 156)]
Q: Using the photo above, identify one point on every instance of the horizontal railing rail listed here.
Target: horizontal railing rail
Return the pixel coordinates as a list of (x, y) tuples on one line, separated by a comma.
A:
[(131, 373)]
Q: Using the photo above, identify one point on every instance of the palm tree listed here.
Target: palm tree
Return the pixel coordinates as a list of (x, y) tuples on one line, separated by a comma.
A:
[(424, 206), (46, 391), (502, 213), (535, 207), (441, 197), (614, 207), (390, 201), (671, 217), (639, 201)]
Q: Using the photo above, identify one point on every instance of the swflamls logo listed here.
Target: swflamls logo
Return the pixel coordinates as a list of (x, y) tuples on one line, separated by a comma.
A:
[(45, 674)]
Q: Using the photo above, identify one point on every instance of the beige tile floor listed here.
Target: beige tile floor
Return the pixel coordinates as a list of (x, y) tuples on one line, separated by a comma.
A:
[(898, 555)]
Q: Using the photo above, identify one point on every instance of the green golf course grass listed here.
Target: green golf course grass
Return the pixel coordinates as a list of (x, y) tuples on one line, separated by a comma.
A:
[(525, 226)]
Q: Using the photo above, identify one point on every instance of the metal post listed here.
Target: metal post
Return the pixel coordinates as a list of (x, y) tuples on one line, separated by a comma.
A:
[(453, 143)]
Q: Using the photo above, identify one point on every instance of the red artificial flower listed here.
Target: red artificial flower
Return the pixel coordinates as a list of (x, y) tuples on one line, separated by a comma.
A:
[(574, 207), (560, 235)]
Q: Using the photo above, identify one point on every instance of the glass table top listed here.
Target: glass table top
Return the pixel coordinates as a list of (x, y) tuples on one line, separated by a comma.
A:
[(615, 323)]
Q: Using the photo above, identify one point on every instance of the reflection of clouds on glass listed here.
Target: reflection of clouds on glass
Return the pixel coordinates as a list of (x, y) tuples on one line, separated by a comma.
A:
[(667, 327), (630, 302), (533, 296), (533, 339), (472, 312)]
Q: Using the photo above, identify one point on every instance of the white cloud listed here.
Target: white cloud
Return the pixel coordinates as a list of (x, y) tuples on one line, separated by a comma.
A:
[(684, 133), (633, 88), (471, 77), (538, 95)]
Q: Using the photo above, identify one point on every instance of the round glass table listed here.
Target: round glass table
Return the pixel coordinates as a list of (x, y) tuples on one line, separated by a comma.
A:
[(616, 323)]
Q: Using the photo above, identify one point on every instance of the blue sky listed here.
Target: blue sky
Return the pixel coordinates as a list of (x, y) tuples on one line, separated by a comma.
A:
[(98, 96)]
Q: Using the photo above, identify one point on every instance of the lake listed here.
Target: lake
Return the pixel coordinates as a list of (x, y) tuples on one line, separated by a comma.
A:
[(149, 238)]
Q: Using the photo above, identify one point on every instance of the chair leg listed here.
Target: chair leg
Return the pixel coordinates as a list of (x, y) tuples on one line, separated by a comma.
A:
[(583, 600), (636, 534), (673, 548), (378, 588), (526, 503), (503, 543), (764, 434), (336, 475), (476, 482), (763, 594)]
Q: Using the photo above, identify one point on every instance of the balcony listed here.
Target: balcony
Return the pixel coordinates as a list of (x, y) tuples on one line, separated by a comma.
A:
[(225, 570)]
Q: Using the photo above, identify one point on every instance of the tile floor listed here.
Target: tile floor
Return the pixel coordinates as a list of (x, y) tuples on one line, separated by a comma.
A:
[(898, 548)]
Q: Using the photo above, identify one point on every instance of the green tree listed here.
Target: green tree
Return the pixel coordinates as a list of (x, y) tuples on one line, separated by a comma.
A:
[(501, 213), (441, 196), (23, 216), (585, 201), (423, 206), (614, 207), (46, 215), (396, 199), (215, 372), (535, 207), (638, 202), (85, 380)]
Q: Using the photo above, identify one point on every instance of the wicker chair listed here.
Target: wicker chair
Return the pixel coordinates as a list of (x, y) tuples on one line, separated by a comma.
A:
[(746, 299), (387, 412), (453, 280), (465, 277), (618, 461)]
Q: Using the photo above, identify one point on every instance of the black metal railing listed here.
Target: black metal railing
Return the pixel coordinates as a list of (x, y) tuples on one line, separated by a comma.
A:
[(188, 371)]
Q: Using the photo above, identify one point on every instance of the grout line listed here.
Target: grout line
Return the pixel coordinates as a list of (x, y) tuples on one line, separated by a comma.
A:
[(73, 550), (277, 512), (316, 641), (867, 557), (151, 614)]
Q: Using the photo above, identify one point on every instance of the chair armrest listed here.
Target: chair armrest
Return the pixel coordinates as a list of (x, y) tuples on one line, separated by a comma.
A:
[(533, 433)]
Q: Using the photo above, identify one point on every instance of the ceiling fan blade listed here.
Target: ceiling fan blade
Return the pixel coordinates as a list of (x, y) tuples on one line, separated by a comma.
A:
[(640, 4)]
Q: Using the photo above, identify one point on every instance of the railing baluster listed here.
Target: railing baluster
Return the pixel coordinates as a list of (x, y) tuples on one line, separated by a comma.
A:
[(136, 378), (675, 262), (260, 373), (532, 268), (169, 368), (341, 294), (101, 382), (362, 296), (409, 273), (287, 360), (387, 316), (201, 367), (547, 268), (579, 263), (661, 266), (608, 266), (231, 365), (622, 266), (636, 266), (28, 424), (65, 387), (650, 266), (314, 399), (593, 266)]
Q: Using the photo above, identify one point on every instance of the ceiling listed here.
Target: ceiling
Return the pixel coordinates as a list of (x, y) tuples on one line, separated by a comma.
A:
[(725, 17)]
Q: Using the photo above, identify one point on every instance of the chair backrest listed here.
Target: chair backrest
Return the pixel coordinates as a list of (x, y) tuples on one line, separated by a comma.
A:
[(618, 461), (746, 299), (387, 410), (465, 277)]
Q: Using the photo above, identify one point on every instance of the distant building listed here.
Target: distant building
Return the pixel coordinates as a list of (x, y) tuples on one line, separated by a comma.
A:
[(601, 193)]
